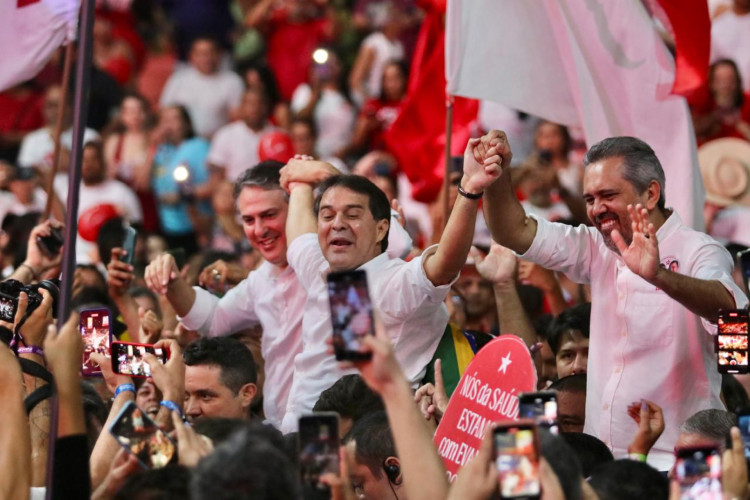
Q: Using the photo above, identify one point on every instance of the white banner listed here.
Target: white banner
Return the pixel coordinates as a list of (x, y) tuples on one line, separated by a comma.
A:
[(30, 32), (593, 63)]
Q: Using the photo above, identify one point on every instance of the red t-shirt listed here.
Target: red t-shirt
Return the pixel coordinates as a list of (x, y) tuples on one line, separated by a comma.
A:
[(385, 112), (20, 113), (290, 48), (702, 104)]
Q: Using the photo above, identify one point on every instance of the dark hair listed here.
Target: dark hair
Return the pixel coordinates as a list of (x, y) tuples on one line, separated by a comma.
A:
[(572, 383), (267, 78), (374, 441), (142, 291), (564, 463), (206, 37), (377, 201), (350, 398), (306, 122), (641, 166), (118, 127), (248, 465), (628, 479), (711, 424), (739, 97), (187, 122), (590, 451), (402, 66), (735, 395), (265, 175), (95, 412), (168, 483), (573, 318), (92, 297), (567, 141), (111, 235), (229, 354)]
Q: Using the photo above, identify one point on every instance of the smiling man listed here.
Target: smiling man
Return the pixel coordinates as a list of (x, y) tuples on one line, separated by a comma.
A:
[(650, 325), (346, 228)]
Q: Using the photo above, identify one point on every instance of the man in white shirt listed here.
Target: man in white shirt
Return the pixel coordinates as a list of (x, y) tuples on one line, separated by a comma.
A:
[(730, 38), (234, 147), (208, 93), (346, 228), (656, 285), (96, 190)]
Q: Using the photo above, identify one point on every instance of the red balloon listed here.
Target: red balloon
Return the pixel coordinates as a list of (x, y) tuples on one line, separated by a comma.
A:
[(275, 145), (90, 221)]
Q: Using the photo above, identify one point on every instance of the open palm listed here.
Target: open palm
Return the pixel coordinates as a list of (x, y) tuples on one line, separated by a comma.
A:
[(642, 255)]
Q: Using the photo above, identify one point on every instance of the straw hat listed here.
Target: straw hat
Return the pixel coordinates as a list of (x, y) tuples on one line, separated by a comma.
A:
[(725, 167)]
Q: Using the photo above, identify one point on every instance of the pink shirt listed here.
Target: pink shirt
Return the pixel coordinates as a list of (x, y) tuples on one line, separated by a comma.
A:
[(644, 344)]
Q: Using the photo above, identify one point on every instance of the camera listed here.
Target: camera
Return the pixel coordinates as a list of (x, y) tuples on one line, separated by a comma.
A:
[(10, 290)]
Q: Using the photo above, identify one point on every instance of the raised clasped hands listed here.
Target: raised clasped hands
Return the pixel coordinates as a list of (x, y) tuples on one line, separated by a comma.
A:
[(484, 159), (641, 255)]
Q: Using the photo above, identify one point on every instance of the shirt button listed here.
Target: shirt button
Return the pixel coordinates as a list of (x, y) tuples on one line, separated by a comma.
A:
[(624, 333), (621, 296), (618, 369), (606, 406)]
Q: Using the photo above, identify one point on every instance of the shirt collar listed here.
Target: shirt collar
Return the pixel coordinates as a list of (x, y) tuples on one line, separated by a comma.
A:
[(670, 226), (370, 266)]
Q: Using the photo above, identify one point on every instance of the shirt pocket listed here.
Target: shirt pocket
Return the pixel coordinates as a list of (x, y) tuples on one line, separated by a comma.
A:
[(649, 318)]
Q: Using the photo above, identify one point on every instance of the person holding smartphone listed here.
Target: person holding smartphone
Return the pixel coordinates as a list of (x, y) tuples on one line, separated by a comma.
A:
[(346, 228), (657, 286)]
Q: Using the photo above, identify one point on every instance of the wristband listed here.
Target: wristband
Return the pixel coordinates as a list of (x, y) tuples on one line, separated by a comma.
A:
[(124, 388), (471, 196), (638, 457), (34, 276), (32, 349), (172, 406)]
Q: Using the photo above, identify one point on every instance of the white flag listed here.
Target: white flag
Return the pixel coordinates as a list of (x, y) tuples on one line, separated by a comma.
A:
[(30, 32), (593, 63)]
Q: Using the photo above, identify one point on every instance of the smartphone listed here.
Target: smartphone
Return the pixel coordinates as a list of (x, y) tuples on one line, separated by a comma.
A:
[(137, 433), (541, 407), (179, 255), (517, 459), (96, 329), (128, 244), (351, 313), (731, 341), (318, 448), (744, 258), (127, 358), (698, 470), (50, 245), (743, 422)]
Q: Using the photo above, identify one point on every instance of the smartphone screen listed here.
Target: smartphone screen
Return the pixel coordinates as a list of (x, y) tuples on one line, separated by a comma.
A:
[(128, 244), (541, 407), (127, 358), (318, 448), (96, 330), (8, 307), (517, 460), (351, 313), (138, 434), (732, 341), (698, 471)]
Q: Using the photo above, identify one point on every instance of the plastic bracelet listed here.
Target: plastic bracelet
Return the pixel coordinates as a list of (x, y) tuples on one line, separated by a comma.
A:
[(124, 388), (172, 406), (638, 457), (31, 349), (471, 196)]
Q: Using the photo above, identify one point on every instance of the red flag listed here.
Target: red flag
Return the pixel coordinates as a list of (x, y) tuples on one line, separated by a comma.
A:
[(417, 137), (691, 25)]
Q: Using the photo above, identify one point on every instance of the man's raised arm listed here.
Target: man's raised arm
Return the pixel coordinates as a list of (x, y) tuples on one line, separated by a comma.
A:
[(298, 178), (503, 212)]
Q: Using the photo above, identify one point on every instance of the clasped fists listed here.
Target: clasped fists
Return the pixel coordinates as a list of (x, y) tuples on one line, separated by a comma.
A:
[(642, 254), (160, 273), (305, 170), (484, 159)]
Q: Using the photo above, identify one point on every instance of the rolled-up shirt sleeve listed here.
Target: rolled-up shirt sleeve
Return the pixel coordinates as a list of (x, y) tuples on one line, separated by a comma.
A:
[(214, 317)]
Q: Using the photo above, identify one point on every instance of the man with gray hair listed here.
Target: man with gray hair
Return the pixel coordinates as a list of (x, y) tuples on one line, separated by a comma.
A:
[(706, 428), (656, 288)]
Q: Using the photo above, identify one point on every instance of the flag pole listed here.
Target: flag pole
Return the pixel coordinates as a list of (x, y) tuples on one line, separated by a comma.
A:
[(65, 84), (447, 174), (80, 115)]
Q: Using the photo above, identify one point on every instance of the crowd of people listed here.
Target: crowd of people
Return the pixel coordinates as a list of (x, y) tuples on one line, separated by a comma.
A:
[(245, 142)]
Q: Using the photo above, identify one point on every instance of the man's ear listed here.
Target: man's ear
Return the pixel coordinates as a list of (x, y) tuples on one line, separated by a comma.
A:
[(653, 192), (382, 229), (247, 393)]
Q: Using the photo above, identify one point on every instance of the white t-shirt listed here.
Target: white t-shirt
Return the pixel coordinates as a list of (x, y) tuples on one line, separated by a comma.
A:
[(334, 118), (208, 98), (409, 305), (111, 192), (385, 51), (730, 39), (235, 148), (9, 204), (643, 344), (38, 147)]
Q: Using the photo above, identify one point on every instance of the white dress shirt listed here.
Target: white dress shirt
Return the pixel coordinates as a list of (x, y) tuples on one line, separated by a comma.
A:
[(234, 147), (408, 304), (274, 298), (644, 344)]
